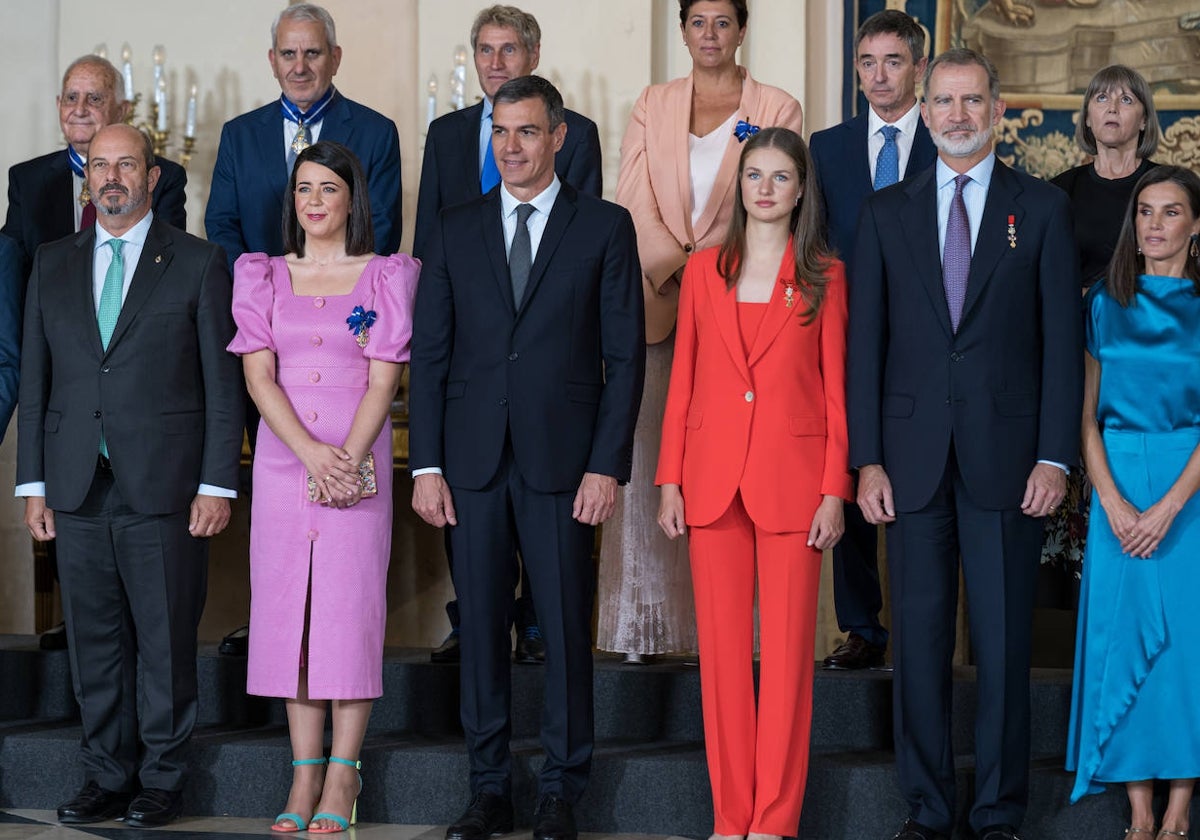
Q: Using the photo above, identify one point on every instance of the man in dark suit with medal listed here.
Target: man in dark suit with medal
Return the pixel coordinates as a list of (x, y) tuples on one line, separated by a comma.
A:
[(48, 196), (965, 374), (130, 431), (257, 149), (877, 148), (527, 363)]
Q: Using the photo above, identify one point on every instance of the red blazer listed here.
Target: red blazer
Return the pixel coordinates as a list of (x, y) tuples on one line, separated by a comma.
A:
[(772, 424)]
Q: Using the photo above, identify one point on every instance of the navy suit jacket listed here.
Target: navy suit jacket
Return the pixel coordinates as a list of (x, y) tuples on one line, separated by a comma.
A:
[(245, 205), (559, 376), (844, 175), (450, 170), (12, 285), (1006, 388), (40, 196)]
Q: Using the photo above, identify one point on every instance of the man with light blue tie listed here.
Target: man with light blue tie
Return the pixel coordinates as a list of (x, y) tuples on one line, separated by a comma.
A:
[(130, 432), (507, 45), (873, 150)]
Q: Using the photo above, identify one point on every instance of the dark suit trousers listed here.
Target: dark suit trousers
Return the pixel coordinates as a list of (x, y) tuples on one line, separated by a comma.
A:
[(857, 597), (1000, 551), (133, 590), (557, 553)]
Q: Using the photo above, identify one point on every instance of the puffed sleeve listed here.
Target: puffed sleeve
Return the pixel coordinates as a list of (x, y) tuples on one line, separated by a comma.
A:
[(253, 301), (395, 288)]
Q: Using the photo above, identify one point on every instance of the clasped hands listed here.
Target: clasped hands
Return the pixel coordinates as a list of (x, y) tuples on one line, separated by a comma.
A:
[(1140, 532), (335, 473), (594, 500), (1044, 491)]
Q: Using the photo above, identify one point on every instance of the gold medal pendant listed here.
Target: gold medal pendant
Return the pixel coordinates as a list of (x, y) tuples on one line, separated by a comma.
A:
[(363, 337), (85, 196), (787, 295), (300, 141)]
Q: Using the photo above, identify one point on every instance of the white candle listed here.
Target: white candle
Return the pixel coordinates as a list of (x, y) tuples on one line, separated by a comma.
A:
[(162, 104), (190, 129), (160, 57), (431, 108), (127, 71)]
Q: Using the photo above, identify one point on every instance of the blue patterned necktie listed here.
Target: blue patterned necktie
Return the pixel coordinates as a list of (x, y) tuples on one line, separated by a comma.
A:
[(110, 305), (887, 165), (489, 176), (956, 256)]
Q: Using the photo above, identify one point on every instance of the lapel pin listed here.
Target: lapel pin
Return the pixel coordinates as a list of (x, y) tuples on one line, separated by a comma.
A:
[(158, 257), (1012, 231)]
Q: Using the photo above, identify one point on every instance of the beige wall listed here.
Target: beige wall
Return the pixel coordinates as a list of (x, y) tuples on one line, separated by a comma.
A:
[(600, 54)]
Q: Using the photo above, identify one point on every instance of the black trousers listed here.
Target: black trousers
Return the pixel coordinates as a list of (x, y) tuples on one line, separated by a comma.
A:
[(857, 597), (133, 591), (1000, 551), (557, 552)]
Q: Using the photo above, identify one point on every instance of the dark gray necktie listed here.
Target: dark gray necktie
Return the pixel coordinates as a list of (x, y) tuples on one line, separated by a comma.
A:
[(520, 255)]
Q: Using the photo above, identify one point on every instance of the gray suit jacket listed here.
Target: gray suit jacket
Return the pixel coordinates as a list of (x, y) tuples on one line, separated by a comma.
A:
[(167, 392)]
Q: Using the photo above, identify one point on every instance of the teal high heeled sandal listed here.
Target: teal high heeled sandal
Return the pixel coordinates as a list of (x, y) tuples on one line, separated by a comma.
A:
[(342, 823), (296, 819)]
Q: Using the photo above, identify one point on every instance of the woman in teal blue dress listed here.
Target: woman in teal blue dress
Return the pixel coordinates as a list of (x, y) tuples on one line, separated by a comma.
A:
[(1135, 715)]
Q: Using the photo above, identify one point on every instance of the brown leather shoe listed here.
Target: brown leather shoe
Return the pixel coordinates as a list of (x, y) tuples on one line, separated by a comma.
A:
[(854, 654)]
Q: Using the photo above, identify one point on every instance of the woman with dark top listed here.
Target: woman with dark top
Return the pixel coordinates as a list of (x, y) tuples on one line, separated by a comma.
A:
[(1118, 127)]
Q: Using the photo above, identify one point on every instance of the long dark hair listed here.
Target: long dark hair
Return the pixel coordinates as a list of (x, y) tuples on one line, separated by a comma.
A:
[(1128, 262), (812, 254), (360, 233)]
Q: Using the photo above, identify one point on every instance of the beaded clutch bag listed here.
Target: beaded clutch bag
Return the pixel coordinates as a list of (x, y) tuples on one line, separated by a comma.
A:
[(366, 474)]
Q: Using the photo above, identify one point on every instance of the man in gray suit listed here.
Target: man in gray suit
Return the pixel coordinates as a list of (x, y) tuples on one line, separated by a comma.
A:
[(130, 431)]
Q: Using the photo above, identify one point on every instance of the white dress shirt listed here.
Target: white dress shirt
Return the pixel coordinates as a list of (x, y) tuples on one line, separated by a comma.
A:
[(907, 126)]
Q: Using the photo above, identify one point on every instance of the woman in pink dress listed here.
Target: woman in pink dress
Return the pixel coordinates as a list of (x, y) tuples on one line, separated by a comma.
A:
[(323, 333)]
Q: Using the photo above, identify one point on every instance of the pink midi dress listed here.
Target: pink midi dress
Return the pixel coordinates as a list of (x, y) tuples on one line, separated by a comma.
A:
[(301, 550)]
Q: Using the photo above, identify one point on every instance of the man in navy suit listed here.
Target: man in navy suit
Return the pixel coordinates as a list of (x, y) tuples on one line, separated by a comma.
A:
[(528, 356), (458, 167), (12, 283), (873, 150), (48, 197), (254, 159), (965, 374)]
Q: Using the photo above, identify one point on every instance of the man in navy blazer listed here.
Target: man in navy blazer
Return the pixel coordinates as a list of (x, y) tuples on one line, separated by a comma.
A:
[(507, 44), (528, 355), (257, 149), (44, 201), (458, 167), (12, 283), (852, 160), (965, 374)]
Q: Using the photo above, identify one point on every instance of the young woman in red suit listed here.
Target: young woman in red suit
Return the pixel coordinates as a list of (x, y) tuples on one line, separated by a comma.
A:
[(754, 461)]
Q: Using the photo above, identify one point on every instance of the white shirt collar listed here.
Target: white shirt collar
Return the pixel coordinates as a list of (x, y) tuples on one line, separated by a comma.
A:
[(907, 123), (136, 235), (543, 202)]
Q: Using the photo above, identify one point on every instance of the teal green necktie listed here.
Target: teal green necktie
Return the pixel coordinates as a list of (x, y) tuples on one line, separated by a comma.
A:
[(110, 306), (110, 295)]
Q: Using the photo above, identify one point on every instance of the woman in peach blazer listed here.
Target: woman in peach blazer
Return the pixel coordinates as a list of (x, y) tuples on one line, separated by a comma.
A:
[(678, 171), (754, 461)]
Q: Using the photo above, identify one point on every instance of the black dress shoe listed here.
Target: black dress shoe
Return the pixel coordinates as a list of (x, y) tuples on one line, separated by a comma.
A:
[(488, 814), (913, 830), (93, 804), (236, 643), (531, 649), (154, 807), (999, 832), (55, 638), (855, 653), (447, 651), (553, 819)]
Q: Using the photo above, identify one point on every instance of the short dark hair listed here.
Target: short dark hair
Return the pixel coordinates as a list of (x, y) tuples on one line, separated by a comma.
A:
[(962, 57), (1128, 262), (360, 233), (739, 8), (893, 22), (1120, 77), (534, 87), (508, 17)]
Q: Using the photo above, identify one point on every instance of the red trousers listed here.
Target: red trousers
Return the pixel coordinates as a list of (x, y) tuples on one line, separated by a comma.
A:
[(757, 757)]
